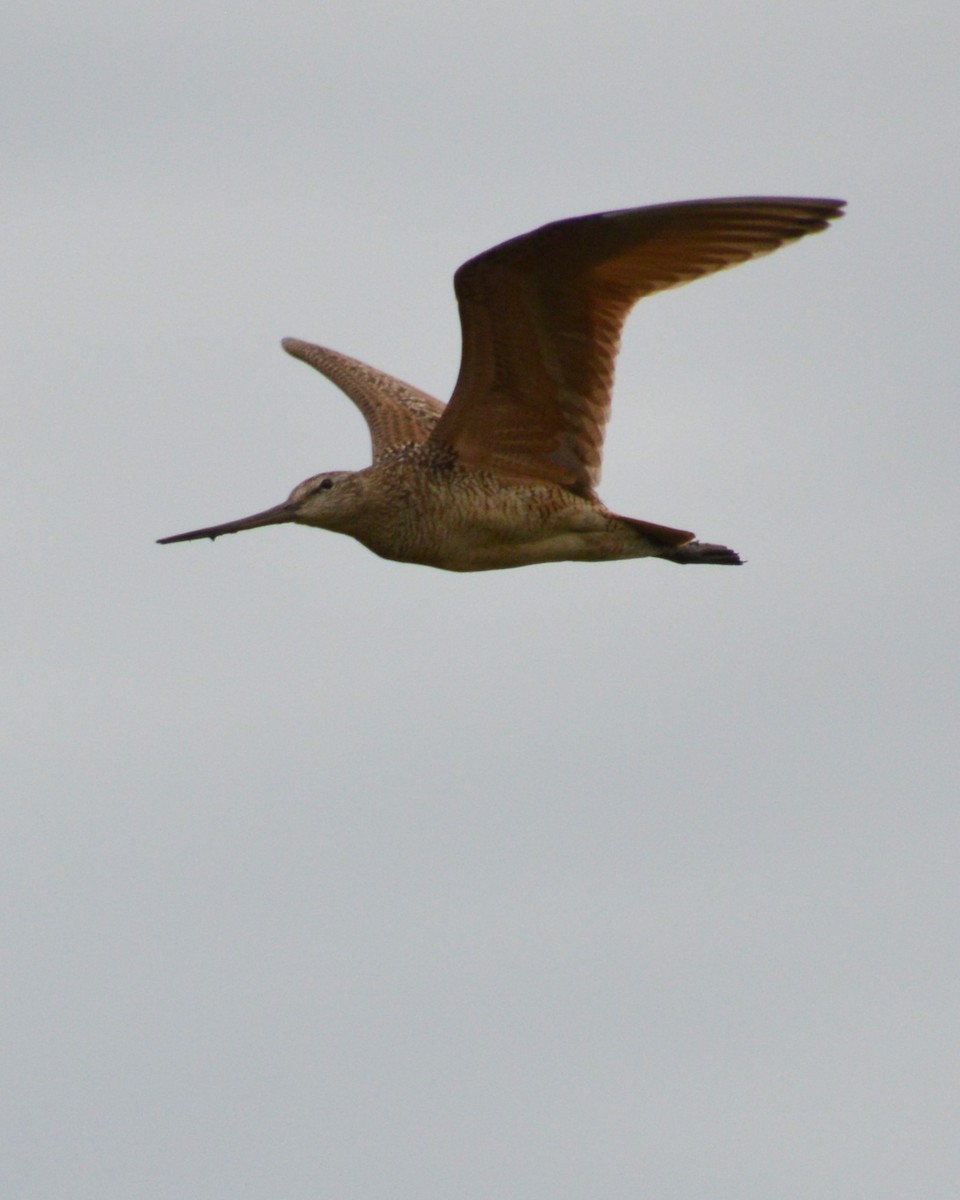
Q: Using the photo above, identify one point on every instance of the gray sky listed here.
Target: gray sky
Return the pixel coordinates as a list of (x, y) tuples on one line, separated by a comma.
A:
[(331, 877)]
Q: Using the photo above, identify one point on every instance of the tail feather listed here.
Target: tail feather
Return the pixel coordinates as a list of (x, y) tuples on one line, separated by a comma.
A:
[(660, 535), (678, 545), (704, 552)]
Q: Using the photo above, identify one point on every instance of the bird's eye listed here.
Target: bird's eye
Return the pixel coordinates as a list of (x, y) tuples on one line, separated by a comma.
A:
[(326, 484)]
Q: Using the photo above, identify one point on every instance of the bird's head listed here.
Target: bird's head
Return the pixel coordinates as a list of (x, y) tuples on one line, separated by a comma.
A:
[(327, 501)]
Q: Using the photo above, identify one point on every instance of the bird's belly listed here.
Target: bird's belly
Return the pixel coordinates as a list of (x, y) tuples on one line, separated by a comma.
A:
[(512, 528), (568, 547)]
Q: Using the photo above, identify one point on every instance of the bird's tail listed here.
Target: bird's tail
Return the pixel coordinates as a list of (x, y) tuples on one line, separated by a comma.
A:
[(678, 545), (660, 535)]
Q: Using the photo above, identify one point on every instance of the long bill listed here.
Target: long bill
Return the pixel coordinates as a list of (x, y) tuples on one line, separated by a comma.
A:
[(280, 514)]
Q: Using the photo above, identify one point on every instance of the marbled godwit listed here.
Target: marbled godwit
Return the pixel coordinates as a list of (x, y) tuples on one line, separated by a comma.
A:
[(505, 474)]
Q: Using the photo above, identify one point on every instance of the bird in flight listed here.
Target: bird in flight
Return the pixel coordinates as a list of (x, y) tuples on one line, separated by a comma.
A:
[(505, 474)]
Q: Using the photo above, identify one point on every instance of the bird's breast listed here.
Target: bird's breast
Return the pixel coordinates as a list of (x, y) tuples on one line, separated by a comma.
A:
[(471, 521)]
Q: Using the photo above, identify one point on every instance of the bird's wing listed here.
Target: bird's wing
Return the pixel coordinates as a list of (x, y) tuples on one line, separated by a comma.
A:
[(541, 317), (396, 413)]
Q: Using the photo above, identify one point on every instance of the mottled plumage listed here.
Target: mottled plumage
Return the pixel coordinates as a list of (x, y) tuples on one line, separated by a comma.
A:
[(396, 413), (505, 474)]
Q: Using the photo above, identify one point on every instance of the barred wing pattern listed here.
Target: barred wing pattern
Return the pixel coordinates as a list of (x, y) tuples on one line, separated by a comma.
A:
[(541, 317), (396, 412)]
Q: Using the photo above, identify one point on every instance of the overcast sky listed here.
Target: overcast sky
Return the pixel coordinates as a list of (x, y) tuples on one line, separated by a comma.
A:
[(325, 876)]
